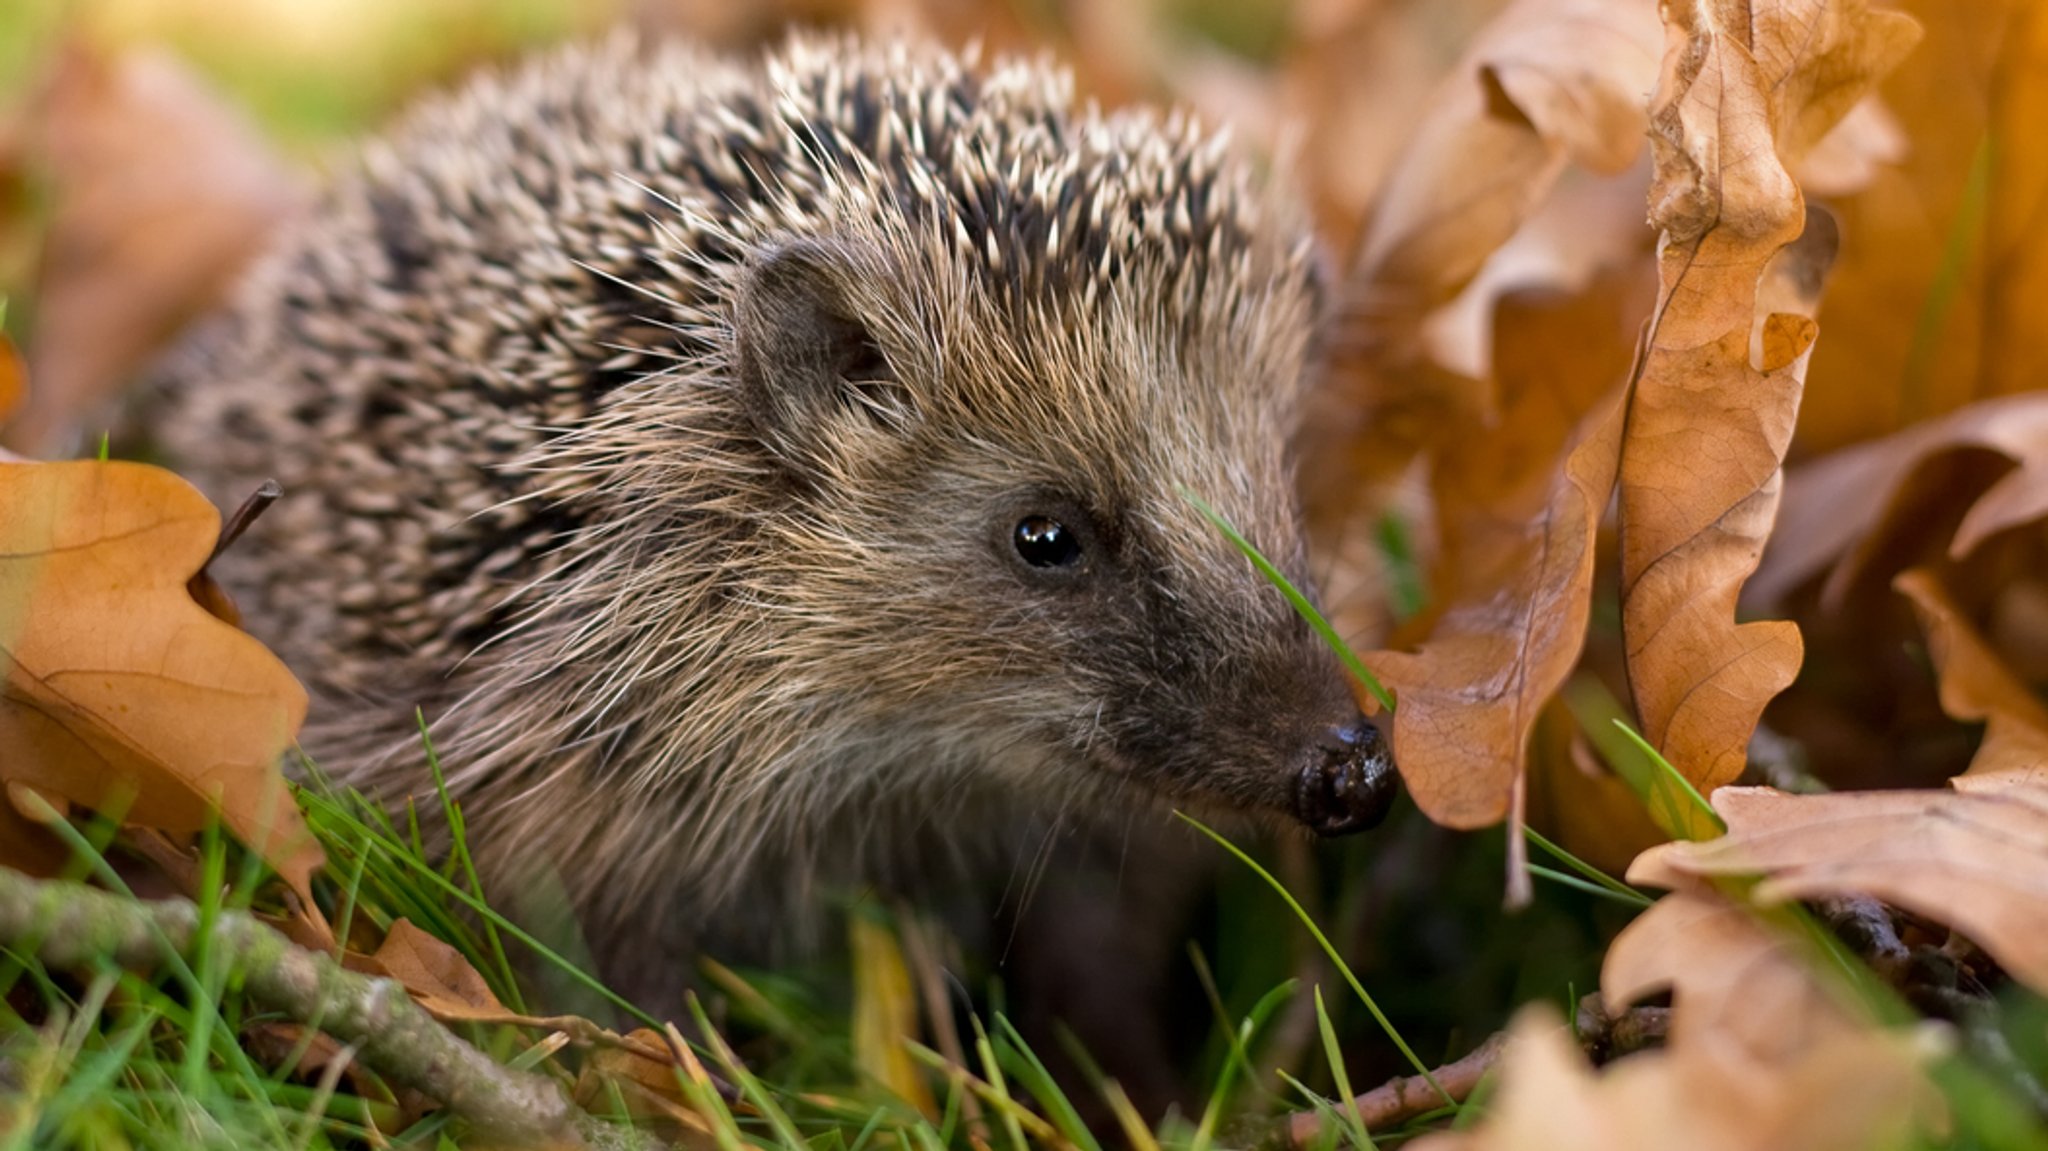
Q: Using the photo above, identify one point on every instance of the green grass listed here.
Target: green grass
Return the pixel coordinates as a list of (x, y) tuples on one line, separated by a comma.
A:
[(109, 1058), (106, 1058), (1299, 601)]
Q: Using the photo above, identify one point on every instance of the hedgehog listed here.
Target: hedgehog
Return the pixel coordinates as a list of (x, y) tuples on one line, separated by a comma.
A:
[(767, 477)]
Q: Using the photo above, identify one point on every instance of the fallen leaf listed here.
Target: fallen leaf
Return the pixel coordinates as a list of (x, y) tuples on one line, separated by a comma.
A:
[(1884, 497), (1821, 58), (1977, 685), (885, 1014), (1589, 226), (13, 376), (162, 193), (644, 1072), (1756, 1039), (25, 844), (1544, 85), (1519, 505), (1731, 978), (117, 691), (1547, 83), (1976, 860), (1702, 1097), (436, 975), (1746, 88), (1343, 65)]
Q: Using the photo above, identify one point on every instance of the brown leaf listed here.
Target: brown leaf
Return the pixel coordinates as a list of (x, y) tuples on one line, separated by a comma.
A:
[(1701, 1097), (885, 1014), (1548, 82), (1519, 506), (162, 193), (1879, 498), (1823, 57), (1756, 1039), (1977, 685), (13, 378), (1730, 977), (1545, 83), (25, 844), (119, 691), (1976, 860), (1717, 390), (643, 1070), (315, 1056), (1589, 227), (1344, 65), (436, 975)]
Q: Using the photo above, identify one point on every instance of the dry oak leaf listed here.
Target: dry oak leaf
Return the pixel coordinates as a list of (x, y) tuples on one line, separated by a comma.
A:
[(436, 975), (1343, 65), (645, 1071), (117, 691), (1547, 83), (311, 1056), (1731, 977), (161, 192), (1849, 1093), (447, 986), (1749, 88), (13, 374), (1974, 859), (1850, 506), (1745, 89), (1519, 505), (1977, 685)]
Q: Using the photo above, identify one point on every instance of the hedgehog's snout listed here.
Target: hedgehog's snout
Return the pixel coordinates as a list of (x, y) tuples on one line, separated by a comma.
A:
[(1346, 782)]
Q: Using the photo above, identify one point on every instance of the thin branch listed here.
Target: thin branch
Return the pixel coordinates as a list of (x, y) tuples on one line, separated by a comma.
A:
[(1603, 1037), (71, 926), (1398, 1100)]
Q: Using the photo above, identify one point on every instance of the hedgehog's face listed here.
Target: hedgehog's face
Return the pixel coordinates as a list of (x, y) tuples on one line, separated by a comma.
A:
[(999, 553)]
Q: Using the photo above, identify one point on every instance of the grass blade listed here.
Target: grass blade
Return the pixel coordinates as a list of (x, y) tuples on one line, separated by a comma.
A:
[(1330, 950), (1302, 607)]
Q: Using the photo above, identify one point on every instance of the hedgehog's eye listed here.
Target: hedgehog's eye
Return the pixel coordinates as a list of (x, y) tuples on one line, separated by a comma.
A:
[(1044, 542)]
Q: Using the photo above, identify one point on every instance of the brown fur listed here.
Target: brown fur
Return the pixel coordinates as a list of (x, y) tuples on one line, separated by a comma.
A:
[(698, 633)]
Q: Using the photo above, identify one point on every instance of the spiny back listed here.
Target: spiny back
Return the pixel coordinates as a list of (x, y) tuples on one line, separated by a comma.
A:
[(662, 631)]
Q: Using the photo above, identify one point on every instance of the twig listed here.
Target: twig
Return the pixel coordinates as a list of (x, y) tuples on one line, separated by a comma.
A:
[(1403, 1098), (71, 926), (1606, 1038), (1603, 1036)]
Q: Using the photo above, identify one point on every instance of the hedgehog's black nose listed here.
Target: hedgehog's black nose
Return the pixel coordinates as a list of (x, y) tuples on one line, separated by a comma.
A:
[(1347, 782)]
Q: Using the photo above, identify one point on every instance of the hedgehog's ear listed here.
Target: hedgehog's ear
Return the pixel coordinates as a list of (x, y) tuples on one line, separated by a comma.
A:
[(806, 360)]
